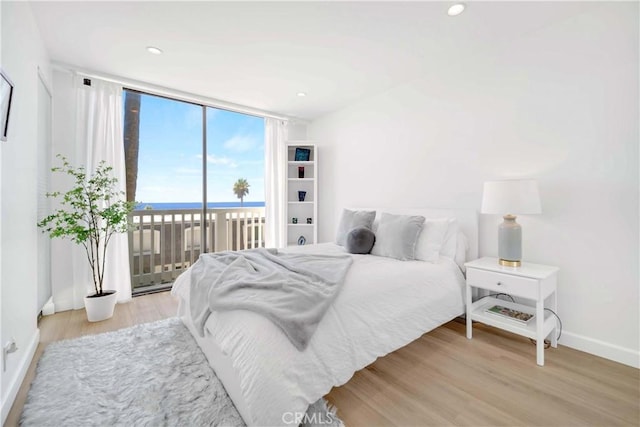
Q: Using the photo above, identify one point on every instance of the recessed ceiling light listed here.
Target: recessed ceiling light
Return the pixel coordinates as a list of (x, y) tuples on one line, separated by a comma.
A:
[(154, 50), (456, 9), (301, 94)]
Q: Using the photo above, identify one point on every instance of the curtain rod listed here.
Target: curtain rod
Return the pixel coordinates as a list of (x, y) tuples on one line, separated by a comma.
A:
[(172, 93)]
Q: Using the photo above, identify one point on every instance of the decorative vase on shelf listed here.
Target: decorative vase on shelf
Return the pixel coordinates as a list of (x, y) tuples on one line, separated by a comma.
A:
[(300, 171), (301, 195), (301, 240)]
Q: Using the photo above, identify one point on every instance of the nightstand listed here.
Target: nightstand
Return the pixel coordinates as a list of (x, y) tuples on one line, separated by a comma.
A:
[(533, 282)]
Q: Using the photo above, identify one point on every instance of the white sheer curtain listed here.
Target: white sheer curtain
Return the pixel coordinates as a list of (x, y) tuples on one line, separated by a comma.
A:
[(275, 171), (99, 137)]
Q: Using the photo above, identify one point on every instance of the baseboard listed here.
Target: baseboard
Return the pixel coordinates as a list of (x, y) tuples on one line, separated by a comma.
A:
[(16, 382), (607, 350)]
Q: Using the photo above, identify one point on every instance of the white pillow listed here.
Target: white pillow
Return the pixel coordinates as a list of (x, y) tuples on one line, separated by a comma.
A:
[(396, 236), (450, 241), (431, 239), (353, 219)]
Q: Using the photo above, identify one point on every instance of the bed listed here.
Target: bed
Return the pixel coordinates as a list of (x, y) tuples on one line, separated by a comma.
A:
[(383, 305)]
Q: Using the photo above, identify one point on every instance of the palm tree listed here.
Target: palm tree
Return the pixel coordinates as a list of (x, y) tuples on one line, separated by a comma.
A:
[(131, 141), (241, 189)]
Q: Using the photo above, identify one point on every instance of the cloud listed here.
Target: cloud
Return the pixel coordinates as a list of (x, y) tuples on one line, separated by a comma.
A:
[(188, 171), (241, 143), (219, 160), (224, 161)]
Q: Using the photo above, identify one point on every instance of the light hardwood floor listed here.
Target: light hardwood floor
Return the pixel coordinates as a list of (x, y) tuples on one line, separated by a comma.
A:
[(440, 379)]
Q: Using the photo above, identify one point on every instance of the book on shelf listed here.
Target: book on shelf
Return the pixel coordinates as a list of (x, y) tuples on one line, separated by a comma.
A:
[(507, 313)]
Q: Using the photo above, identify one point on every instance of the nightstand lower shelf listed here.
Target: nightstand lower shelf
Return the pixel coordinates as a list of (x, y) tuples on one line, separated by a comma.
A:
[(528, 330)]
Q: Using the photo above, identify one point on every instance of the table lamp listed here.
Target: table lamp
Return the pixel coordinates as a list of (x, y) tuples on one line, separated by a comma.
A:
[(510, 198)]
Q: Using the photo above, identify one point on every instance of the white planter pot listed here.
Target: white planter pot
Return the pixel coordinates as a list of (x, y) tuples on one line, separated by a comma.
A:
[(100, 308)]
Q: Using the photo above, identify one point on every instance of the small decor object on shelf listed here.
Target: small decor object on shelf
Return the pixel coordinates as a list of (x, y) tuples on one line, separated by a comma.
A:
[(300, 172), (294, 220), (301, 195), (309, 221), (508, 313), (302, 154), (301, 241)]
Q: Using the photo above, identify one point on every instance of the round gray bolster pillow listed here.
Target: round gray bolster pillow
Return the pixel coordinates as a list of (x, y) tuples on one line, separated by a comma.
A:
[(360, 240)]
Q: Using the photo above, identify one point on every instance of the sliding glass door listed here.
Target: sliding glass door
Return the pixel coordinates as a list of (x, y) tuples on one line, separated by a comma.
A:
[(197, 174), (235, 178)]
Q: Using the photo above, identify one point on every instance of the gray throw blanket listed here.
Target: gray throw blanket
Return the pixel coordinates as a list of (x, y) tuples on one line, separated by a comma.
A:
[(293, 290)]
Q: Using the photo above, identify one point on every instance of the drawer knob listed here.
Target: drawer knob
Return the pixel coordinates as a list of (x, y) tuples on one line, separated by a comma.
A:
[(499, 283)]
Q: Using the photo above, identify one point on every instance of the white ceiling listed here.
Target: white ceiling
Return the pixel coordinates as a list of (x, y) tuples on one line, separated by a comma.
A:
[(261, 54)]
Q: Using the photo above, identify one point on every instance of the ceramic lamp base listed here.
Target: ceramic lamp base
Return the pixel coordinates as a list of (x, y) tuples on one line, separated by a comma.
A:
[(510, 242)]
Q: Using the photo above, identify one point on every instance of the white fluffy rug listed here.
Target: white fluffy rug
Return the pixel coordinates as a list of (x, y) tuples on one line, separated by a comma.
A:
[(152, 374)]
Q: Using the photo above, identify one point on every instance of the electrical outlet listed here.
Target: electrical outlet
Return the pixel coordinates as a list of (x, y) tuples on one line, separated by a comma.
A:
[(9, 347)]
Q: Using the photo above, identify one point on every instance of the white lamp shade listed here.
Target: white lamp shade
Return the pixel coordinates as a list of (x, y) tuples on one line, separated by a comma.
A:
[(511, 197)]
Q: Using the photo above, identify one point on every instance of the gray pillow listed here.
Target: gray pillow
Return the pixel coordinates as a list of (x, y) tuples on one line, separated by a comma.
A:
[(397, 235), (360, 240), (351, 220)]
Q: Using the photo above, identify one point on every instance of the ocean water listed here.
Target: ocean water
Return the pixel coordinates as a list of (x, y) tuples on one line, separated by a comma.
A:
[(197, 205)]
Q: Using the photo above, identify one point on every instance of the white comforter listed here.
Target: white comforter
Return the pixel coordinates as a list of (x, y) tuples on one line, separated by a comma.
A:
[(292, 290), (384, 305)]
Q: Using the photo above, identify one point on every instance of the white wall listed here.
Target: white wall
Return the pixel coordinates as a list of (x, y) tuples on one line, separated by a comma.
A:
[(297, 130), (559, 105), (22, 53)]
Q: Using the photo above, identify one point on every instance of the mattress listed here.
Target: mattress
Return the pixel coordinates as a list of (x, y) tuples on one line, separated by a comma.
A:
[(384, 305)]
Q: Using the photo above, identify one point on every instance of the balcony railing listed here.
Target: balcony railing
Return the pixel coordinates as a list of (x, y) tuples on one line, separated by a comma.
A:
[(166, 242)]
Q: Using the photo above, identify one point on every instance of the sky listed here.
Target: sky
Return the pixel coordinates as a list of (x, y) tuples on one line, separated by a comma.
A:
[(170, 158)]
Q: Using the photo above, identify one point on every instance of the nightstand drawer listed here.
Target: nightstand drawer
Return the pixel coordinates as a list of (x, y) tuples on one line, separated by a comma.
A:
[(504, 283)]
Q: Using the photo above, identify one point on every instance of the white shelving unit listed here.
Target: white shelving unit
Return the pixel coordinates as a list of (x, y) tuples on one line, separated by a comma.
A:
[(307, 209)]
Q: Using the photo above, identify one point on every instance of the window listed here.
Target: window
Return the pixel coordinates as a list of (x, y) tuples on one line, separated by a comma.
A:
[(163, 145), (170, 146), (235, 151)]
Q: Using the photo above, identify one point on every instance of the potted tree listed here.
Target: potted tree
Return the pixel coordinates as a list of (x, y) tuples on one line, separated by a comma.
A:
[(90, 213)]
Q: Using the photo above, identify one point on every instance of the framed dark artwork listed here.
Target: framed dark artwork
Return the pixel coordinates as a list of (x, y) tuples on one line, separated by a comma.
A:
[(302, 154), (6, 93)]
